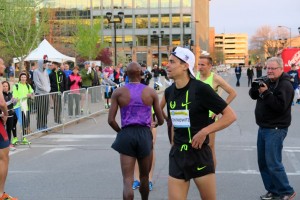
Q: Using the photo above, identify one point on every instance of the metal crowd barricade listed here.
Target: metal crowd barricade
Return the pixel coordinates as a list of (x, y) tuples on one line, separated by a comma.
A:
[(48, 111)]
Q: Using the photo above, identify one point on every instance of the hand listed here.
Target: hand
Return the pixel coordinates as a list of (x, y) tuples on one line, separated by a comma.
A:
[(89, 70), (263, 88), (198, 139), (154, 124)]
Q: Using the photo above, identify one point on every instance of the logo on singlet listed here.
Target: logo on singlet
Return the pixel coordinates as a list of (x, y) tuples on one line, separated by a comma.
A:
[(172, 105), (185, 104)]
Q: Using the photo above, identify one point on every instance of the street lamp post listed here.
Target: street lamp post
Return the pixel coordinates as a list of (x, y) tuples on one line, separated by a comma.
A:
[(131, 46), (113, 21), (290, 29), (158, 46)]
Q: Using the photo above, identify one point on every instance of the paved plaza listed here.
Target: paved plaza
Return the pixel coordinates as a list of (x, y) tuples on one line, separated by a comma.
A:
[(79, 164)]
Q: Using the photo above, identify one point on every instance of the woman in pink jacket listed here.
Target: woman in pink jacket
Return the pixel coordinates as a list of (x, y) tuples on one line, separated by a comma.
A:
[(75, 82)]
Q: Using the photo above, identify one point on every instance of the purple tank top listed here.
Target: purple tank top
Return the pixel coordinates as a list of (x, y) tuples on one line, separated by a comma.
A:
[(136, 112)]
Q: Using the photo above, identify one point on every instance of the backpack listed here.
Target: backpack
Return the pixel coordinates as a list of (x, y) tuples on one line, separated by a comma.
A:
[(17, 86)]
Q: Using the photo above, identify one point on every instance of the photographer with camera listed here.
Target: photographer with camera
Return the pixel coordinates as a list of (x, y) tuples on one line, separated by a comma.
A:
[(274, 95)]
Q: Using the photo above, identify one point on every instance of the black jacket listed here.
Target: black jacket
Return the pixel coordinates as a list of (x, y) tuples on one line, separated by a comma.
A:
[(273, 107), (58, 81), (7, 97)]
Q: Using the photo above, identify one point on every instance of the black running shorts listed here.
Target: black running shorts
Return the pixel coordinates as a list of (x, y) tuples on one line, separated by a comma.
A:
[(187, 163), (4, 141), (134, 141)]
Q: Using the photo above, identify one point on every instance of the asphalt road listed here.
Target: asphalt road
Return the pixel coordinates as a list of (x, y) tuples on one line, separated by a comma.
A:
[(80, 165)]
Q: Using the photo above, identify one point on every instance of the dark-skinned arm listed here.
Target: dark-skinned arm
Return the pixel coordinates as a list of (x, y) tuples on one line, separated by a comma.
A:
[(113, 111), (157, 110)]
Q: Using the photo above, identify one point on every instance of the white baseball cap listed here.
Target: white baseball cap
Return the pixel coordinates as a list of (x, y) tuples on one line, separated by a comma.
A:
[(186, 56)]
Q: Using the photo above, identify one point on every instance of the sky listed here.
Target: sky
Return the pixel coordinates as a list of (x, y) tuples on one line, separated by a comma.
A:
[(246, 16)]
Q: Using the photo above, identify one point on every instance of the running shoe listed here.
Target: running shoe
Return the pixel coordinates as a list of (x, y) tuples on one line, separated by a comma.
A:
[(150, 186), (136, 184), (5, 196), (12, 148), (25, 141), (269, 196), (14, 141), (288, 196)]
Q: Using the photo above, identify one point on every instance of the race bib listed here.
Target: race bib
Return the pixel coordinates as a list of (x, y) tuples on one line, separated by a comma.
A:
[(180, 118)]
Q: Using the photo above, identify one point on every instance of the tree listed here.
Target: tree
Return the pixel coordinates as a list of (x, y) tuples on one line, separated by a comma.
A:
[(266, 41), (88, 42), (105, 56), (22, 25)]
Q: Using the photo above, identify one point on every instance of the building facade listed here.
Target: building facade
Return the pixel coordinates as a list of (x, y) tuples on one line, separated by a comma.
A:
[(175, 22), (232, 47)]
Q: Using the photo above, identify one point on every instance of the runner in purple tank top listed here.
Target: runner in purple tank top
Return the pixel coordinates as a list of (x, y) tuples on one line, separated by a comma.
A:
[(134, 138)]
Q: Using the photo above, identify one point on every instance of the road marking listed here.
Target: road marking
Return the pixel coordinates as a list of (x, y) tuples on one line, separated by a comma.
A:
[(252, 172), (293, 159)]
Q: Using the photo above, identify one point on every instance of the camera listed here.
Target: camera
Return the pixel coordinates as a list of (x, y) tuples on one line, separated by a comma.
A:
[(258, 82)]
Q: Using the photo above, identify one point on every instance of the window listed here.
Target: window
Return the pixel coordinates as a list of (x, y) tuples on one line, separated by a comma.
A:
[(106, 4), (176, 40), (128, 21), (141, 3), (127, 3), (164, 3), (154, 3), (141, 21), (165, 21), (187, 3), (154, 21), (117, 4), (141, 40), (176, 20), (175, 3)]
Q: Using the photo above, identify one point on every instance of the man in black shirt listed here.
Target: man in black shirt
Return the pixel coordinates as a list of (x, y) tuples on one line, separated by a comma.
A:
[(188, 103)]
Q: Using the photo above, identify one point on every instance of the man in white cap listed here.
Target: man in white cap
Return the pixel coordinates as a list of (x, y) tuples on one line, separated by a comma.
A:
[(188, 103)]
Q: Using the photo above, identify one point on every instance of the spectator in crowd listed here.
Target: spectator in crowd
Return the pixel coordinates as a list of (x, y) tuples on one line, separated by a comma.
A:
[(134, 138), (295, 81), (12, 71), (33, 67), (250, 74), (238, 74), (273, 117), (156, 72), (49, 67), (109, 88), (4, 142), (95, 93), (117, 74), (67, 70), (42, 88), (22, 91), (12, 118), (259, 70), (146, 77), (87, 76), (58, 84), (74, 95)]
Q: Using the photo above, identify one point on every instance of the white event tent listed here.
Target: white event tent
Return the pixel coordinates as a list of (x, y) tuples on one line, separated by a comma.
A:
[(45, 48)]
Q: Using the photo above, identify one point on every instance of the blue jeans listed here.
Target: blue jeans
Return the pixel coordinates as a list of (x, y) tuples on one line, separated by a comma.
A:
[(269, 154)]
